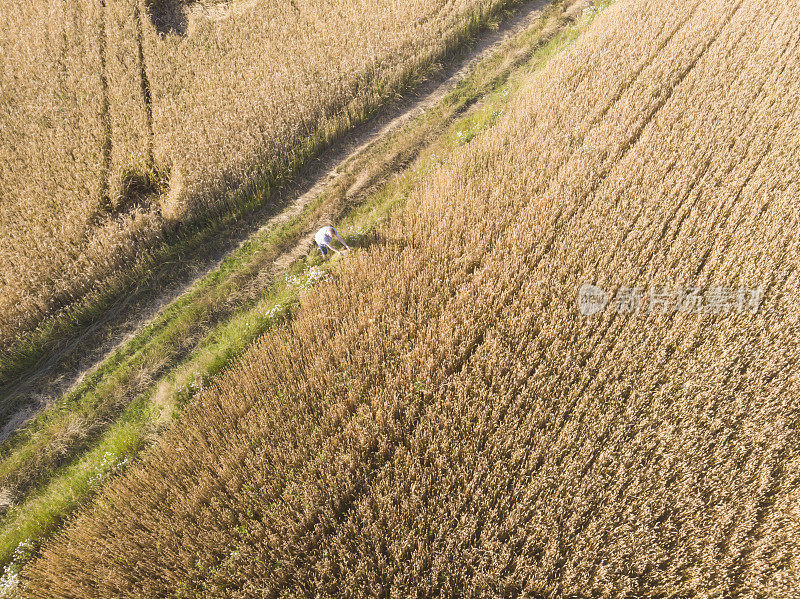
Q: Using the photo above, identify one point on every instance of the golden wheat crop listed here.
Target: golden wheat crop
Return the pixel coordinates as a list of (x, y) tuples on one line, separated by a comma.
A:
[(112, 131), (442, 420)]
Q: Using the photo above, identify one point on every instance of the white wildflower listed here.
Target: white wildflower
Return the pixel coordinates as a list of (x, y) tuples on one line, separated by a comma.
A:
[(9, 580)]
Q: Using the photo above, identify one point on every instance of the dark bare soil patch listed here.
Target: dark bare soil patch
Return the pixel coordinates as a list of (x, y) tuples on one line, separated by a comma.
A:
[(170, 16)]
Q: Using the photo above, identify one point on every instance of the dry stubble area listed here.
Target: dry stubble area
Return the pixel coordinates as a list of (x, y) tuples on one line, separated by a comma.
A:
[(440, 420)]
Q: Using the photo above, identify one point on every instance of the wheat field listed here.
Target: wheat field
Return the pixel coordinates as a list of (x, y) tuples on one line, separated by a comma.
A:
[(442, 420), (115, 129)]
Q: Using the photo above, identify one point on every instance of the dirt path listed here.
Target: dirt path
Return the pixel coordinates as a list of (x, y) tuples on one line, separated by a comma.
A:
[(67, 366)]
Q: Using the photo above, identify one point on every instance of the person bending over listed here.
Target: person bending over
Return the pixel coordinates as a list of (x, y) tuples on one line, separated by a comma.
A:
[(324, 237)]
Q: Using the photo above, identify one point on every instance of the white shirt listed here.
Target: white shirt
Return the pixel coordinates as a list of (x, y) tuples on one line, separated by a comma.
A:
[(324, 236)]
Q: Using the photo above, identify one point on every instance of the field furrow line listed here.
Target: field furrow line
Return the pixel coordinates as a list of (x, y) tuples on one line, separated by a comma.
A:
[(662, 102), (144, 81), (105, 108), (722, 216), (681, 207), (565, 164), (644, 64), (575, 209)]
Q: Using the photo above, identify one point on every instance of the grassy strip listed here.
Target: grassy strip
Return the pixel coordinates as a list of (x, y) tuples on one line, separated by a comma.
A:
[(64, 487)]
